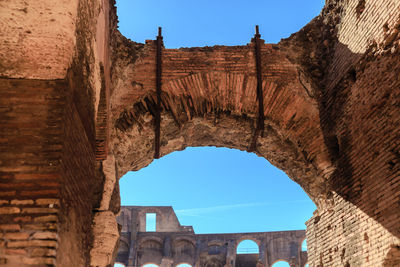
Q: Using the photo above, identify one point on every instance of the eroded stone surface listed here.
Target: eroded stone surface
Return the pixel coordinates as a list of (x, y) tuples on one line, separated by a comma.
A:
[(106, 235), (37, 39)]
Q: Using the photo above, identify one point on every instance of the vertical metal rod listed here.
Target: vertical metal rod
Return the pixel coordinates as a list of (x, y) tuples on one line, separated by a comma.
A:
[(260, 96), (158, 91)]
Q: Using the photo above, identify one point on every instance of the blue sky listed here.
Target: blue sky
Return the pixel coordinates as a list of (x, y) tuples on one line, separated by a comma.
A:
[(213, 22), (217, 190)]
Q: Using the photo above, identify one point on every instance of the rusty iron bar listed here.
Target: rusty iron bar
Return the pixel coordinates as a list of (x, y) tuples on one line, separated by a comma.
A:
[(260, 120), (158, 91)]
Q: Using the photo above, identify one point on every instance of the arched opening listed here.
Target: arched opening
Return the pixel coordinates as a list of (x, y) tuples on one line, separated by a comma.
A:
[(183, 265), (150, 250), (304, 245), (183, 251), (254, 185), (263, 196), (247, 247), (117, 264), (150, 265), (281, 263), (217, 108), (247, 254)]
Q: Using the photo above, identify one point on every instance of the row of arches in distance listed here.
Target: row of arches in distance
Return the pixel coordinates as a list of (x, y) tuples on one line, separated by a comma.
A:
[(276, 264), (245, 247), (249, 246)]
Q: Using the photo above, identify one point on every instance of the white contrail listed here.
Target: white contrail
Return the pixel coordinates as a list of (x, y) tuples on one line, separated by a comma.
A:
[(198, 211)]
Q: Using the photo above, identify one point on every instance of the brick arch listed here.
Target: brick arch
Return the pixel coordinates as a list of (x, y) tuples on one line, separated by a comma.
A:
[(213, 261), (150, 251), (209, 99), (151, 238), (124, 242), (178, 239), (184, 251), (258, 241), (279, 261), (183, 263)]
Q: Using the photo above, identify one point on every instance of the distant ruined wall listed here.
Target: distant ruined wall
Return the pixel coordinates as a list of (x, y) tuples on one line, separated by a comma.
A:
[(173, 244)]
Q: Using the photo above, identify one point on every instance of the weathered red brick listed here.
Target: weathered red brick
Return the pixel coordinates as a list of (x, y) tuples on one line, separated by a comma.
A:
[(10, 227), (15, 251), (31, 243), (45, 235), (48, 218), (22, 202), (38, 261), (46, 192), (35, 176), (9, 210), (47, 201), (3, 202), (41, 226), (48, 252), (22, 219), (7, 193), (39, 210), (17, 236)]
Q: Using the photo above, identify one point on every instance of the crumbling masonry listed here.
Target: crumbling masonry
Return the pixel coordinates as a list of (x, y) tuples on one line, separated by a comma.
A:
[(77, 109)]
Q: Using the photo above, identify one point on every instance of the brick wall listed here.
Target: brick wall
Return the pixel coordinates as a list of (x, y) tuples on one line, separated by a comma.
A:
[(361, 23), (78, 170), (46, 176), (30, 181), (360, 109), (363, 222)]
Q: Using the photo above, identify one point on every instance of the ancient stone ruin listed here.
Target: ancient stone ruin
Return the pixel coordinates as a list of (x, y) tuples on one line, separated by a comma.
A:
[(172, 244), (79, 107)]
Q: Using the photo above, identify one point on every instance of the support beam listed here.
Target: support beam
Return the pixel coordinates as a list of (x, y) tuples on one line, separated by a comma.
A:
[(158, 88), (260, 120)]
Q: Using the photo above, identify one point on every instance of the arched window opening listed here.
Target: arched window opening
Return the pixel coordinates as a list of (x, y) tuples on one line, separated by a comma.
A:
[(247, 247), (150, 265), (281, 264), (183, 248), (184, 265), (304, 245), (306, 265), (119, 265)]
